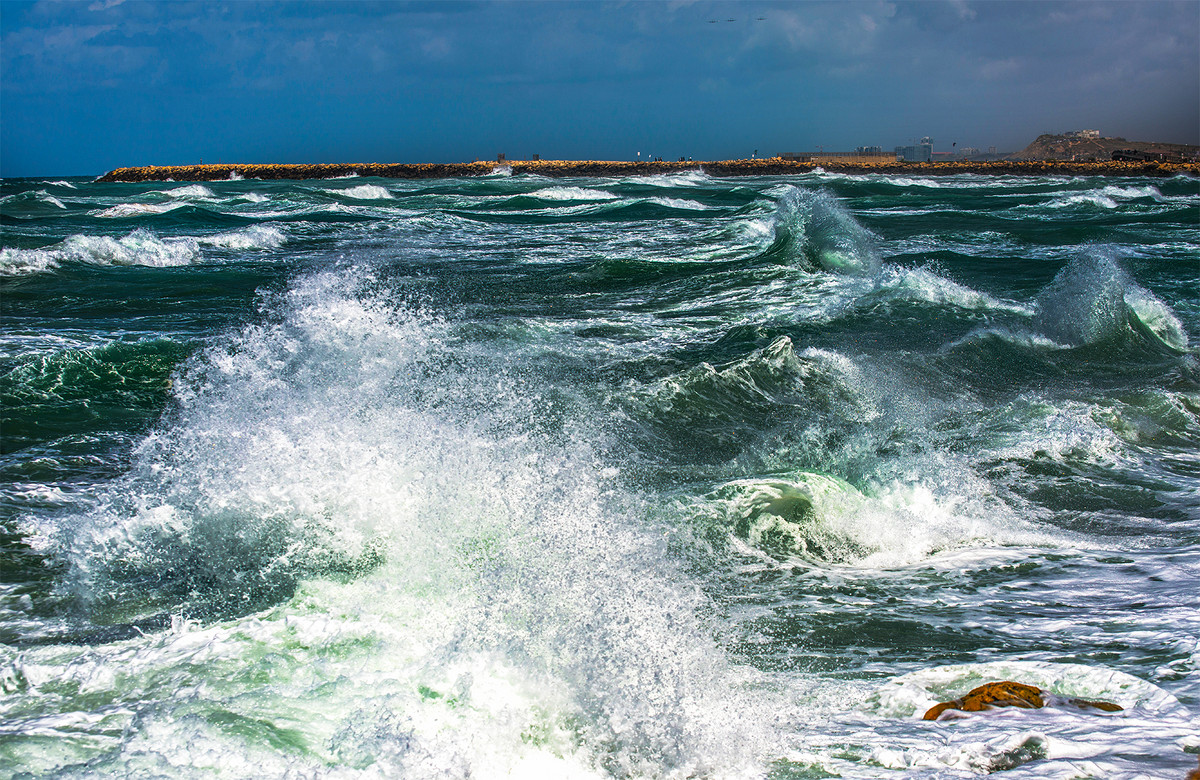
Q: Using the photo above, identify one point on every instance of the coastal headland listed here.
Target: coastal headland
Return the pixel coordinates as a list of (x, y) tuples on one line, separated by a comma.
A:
[(773, 166)]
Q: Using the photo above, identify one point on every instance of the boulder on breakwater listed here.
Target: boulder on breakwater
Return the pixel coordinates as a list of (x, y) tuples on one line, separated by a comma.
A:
[(773, 166), (1013, 694)]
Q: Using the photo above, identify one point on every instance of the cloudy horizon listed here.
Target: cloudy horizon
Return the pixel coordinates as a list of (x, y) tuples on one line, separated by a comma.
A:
[(89, 86)]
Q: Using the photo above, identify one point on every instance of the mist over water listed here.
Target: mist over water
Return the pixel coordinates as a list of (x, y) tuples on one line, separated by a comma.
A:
[(653, 477)]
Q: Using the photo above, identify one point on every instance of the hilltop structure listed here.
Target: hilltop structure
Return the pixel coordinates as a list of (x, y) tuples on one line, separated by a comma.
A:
[(1088, 145)]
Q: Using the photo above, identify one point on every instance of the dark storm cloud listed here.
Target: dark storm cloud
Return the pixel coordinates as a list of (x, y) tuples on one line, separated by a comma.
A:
[(418, 81)]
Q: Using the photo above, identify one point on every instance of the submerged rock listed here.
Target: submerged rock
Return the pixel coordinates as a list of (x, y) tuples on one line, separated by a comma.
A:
[(1014, 694)]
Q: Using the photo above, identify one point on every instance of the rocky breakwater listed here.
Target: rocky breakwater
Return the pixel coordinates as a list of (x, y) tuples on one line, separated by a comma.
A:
[(225, 171), (774, 166)]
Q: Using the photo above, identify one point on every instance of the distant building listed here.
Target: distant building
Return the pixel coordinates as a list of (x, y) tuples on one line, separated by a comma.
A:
[(921, 152), (1082, 134), (868, 150)]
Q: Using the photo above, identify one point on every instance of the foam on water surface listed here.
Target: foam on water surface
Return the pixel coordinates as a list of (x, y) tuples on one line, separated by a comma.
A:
[(515, 477), (363, 192), (572, 193), (141, 247)]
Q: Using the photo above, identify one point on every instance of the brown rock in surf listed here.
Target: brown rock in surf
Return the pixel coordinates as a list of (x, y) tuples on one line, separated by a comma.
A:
[(1011, 694)]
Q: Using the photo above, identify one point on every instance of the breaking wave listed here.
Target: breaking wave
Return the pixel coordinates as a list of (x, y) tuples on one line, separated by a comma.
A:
[(1093, 299), (813, 229)]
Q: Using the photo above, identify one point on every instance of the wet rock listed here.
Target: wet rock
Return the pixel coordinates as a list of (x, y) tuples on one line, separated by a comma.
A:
[(1014, 694)]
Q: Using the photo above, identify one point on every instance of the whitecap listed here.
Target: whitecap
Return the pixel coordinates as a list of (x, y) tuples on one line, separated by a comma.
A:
[(39, 195), (816, 230), (1095, 198), (124, 210), (925, 285), (471, 579), (682, 179), (1133, 193), (253, 237), (141, 247), (66, 184), (572, 193), (18, 262), (363, 192), (680, 203), (191, 191)]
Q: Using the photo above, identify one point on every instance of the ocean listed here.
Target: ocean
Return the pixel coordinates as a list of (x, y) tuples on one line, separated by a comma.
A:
[(672, 476)]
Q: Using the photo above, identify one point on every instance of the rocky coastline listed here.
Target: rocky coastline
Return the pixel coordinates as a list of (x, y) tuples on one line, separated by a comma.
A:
[(774, 166)]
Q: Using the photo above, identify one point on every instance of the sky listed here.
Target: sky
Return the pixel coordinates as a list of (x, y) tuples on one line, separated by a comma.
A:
[(90, 86)]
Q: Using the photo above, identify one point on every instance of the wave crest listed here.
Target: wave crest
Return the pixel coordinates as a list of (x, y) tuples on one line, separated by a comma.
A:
[(141, 247), (812, 228), (1093, 299)]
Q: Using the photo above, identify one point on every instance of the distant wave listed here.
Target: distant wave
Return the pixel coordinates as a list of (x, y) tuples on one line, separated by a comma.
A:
[(139, 248), (363, 192), (253, 237), (572, 193), (32, 197), (191, 191), (126, 210)]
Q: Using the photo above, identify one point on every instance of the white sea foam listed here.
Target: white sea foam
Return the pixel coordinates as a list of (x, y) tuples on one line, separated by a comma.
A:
[(1108, 197), (141, 247), (1053, 742), (926, 285), (1133, 193), (125, 210), (1099, 199), (66, 184), (253, 237), (680, 203), (363, 192), (191, 192), (17, 262), (682, 179), (572, 193)]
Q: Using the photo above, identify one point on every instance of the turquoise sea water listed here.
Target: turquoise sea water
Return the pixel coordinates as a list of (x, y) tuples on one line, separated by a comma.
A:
[(672, 476)]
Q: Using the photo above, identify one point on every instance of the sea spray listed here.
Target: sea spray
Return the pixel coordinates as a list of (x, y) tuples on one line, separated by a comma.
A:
[(303, 451), (1093, 299)]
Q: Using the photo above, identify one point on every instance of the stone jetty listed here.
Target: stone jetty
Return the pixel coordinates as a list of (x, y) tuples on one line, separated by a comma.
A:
[(774, 166)]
